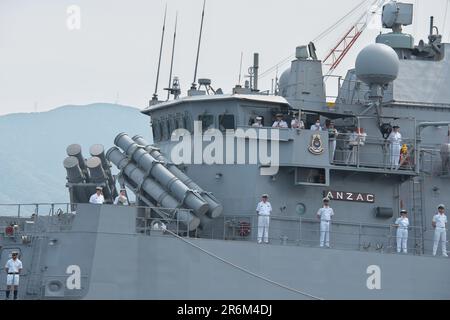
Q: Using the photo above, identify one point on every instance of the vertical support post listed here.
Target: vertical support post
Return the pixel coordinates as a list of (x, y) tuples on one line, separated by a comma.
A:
[(223, 223), (359, 236), (255, 71)]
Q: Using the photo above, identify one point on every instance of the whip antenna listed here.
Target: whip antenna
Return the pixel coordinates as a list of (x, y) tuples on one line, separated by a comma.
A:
[(240, 69), (173, 53), (155, 95), (194, 85)]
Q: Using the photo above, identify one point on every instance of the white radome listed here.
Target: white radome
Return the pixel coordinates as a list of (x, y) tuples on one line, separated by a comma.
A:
[(377, 64)]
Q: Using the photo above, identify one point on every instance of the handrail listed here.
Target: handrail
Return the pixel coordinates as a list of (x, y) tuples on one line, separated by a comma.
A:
[(296, 230)]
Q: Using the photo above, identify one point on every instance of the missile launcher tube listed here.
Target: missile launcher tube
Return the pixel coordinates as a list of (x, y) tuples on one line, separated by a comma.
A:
[(160, 173), (153, 188), (215, 208)]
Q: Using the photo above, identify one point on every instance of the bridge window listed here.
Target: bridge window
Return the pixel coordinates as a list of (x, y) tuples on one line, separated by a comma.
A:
[(165, 129), (188, 123), (207, 121), (172, 125), (226, 121), (180, 121), (156, 128)]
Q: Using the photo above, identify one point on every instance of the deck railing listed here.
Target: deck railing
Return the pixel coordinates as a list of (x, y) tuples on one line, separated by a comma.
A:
[(283, 230)]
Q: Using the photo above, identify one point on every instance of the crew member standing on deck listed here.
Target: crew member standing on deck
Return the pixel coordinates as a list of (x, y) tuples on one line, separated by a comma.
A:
[(440, 230), (279, 123), (297, 123), (121, 199), (395, 138), (258, 122), (97, 197), (316, 126), (332, 136), (402, 224), (263, 210), (13, 267), (324, 215)]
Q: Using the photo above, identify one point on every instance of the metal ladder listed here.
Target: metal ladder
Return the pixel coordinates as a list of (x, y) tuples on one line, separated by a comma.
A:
[(417, 209), (34, 282)]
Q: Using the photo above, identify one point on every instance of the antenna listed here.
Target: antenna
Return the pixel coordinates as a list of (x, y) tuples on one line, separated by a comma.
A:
[(276, 83), (155, 95), (240, 69), (173, 53), (194, 85)]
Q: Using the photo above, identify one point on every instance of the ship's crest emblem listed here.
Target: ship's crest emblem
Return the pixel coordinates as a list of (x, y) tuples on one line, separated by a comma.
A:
[(316, 146)]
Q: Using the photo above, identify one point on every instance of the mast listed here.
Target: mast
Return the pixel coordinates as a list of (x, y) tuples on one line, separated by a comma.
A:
[(155, 95), (194, 85), (240, 69), (173, 54)]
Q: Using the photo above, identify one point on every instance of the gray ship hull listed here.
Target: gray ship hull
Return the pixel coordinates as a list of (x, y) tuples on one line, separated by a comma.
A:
[(118, 263)]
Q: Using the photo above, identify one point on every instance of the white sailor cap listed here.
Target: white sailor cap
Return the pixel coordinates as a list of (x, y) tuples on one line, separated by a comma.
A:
[(326, 199), (99, 188), (258, 118), (441, 206), (265, 195)]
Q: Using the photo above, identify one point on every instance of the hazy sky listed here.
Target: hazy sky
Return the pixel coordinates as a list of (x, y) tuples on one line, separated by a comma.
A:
[(113, 56)]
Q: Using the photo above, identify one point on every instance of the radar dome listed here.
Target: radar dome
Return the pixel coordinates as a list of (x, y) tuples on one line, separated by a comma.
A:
[(283, 83), (377, 64)]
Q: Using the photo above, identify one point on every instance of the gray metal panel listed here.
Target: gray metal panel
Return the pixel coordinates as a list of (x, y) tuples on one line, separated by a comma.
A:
[(424, 81)]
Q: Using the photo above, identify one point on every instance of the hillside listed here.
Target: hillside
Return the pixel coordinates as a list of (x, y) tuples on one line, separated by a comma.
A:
[(33, 146)]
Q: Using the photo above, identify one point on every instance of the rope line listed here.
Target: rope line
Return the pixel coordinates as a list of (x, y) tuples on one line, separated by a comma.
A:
[(244, 269)]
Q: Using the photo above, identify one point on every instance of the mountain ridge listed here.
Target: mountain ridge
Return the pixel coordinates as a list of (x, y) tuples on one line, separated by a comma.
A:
[(33, 146)]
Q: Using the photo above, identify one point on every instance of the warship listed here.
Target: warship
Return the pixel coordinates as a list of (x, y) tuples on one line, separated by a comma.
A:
[(192, 231)]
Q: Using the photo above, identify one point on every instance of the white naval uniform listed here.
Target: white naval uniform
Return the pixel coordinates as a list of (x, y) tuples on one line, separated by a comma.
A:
[(264, 210), (257, 125), (440, 233), (297, 124), (316, 127), (396, 139), (12, 279), (325, 214), (352, 143), (95, 199), (120, 203), (332, 145), (402, 234), (280, 124)]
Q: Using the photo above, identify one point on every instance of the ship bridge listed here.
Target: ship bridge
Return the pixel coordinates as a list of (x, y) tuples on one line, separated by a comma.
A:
[(371, 154)]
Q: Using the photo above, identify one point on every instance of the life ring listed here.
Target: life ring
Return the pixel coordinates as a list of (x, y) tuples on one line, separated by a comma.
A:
[(244, 228), (9, 231)]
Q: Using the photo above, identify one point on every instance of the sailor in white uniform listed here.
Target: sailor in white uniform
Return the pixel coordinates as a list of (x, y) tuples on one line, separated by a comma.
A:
[(402, 224), (332, 136), (324, 215), (97, 197), (263, 210), (297, 123), (13, 267), (121, 199), (258, 122), (316, 126), (279, 123), (395, 138), (440, 230)]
